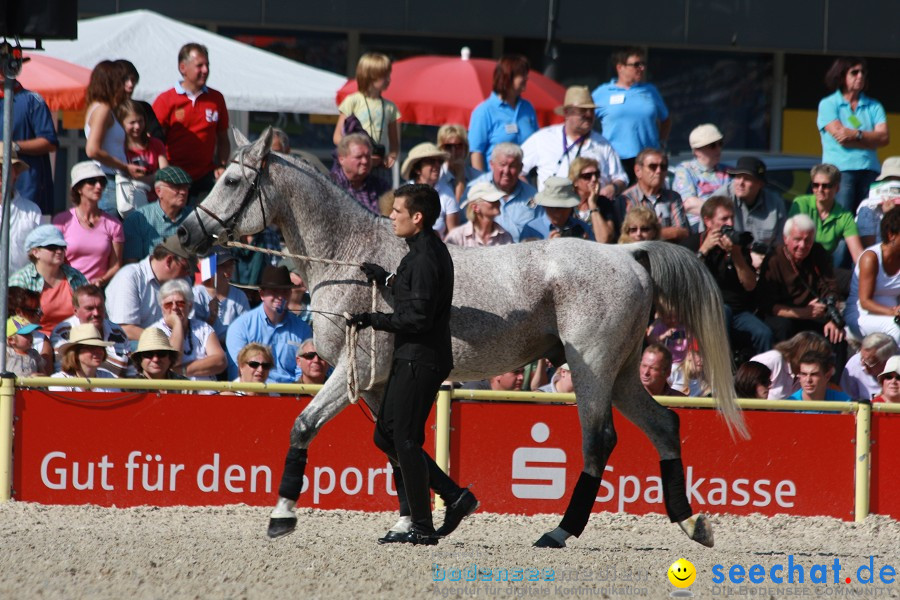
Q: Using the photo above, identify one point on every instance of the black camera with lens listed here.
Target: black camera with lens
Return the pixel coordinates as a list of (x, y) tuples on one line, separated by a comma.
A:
[(738, 239), (832, 312), (576, 231)]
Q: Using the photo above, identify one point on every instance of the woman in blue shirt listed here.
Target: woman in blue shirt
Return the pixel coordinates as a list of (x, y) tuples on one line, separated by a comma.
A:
[(504, 116), (852, 126)]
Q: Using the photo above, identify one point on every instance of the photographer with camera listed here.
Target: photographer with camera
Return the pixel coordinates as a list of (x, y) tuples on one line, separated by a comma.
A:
[(726, 254), (559, 200), (797, 288)]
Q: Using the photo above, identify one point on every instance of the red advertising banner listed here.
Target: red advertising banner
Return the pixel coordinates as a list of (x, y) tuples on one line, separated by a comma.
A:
[(884, 498), (189, 449), (525, 458)]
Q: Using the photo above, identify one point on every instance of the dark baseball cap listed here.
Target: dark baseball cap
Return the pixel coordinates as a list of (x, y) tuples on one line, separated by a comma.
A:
[(749, 165), (174, 176)]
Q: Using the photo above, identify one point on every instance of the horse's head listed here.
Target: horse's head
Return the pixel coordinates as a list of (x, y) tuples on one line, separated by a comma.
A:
[(237, 204)]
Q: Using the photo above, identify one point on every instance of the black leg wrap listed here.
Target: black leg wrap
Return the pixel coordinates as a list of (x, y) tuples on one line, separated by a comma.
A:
[(677, 506), (580, 504), (292, 478)]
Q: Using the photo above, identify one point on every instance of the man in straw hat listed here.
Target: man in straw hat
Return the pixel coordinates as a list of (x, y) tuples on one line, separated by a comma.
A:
[(270, 324), (24, 215), (422, 359), (559, 200), (552, 149)]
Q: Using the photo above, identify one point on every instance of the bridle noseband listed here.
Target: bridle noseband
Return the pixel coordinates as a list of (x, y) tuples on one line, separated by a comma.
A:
[(255, 191)]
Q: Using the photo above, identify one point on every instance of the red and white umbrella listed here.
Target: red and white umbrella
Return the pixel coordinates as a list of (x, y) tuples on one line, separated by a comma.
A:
[(62, 84)]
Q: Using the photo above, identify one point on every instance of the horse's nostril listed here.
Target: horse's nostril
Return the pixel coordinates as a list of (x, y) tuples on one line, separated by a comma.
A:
[(183, 235)]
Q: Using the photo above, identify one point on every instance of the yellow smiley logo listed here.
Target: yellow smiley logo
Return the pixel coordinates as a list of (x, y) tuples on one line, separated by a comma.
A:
[(682, 573)]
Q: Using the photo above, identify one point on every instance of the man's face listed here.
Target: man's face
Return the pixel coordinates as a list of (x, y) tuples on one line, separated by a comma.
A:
[(172, 198), (746, 187), (357, 163), (709, 155), (868, 358), (824, 189), (813, 381), (405, 224), (311, 364), (558, 216), (579, 121), (509, 382), (173, 267), (195, 69), (274, 300), (506, 170), (90, 309), (652, 372), (720, 218), (652, 172), (799, 243)]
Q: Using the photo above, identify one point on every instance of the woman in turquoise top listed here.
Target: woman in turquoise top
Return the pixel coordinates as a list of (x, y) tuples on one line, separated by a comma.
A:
[(852, 126)]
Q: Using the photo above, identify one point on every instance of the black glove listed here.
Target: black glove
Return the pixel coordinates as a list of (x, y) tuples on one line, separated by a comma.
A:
[(375, 273), (361, 320)]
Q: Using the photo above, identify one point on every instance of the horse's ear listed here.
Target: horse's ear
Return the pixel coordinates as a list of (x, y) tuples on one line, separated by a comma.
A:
[(263, 145), (240, 140)]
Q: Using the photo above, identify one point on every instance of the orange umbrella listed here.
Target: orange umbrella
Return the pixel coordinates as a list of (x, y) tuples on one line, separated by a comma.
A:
[(62, 84), (434, 90)]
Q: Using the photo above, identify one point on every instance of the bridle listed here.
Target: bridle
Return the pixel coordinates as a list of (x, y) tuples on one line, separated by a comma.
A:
[(255, 192)]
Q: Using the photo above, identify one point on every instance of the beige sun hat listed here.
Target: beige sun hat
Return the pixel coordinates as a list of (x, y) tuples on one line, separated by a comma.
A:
[(558, 192), (153, 339), (485, 191), (84, 334), (890, 168), (16, 161), (577, 96), (418, 152), (704, 135)]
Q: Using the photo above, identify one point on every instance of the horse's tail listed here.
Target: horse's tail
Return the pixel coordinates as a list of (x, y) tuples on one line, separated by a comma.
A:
[(686, 289)]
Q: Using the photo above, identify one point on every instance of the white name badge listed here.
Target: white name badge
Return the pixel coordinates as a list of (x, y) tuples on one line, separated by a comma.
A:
[(617, 99), (512, 128)]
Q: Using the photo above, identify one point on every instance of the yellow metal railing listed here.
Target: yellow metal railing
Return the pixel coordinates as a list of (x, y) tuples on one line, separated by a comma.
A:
[(862, 410)]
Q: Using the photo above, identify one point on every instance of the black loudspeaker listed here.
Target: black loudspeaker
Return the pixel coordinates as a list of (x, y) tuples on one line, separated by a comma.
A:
[(39, 19)]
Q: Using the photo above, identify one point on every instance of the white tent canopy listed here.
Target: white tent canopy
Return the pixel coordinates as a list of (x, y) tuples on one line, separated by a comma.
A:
[(249, 78)]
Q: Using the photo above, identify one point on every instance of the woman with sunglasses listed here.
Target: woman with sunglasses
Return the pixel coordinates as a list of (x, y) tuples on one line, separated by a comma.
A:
[(82, 356), (640, 224), (852, 125), (155, 357), (201, 356), (254, 363), (890, 381), (49, 275), (94, 239), (594, 209)]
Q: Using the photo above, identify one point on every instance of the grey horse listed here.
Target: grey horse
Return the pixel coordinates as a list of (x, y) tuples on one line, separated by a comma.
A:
[(568, 300)]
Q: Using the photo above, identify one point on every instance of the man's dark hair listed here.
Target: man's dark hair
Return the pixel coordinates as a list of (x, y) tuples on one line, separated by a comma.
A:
[(421, 198), (713, 203), (823, 359), (890, 224), (89, 289), (620, 57), (657, 348)]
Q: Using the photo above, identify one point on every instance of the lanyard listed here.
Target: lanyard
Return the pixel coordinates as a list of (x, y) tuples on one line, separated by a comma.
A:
[(568, 148), (377, 138)]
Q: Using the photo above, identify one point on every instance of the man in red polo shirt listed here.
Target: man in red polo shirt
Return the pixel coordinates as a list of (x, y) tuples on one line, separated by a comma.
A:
[(195, 120)]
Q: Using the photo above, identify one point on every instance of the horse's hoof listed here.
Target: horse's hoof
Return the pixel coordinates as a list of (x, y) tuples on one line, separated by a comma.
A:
[(699, 529), (548, 542), (279, 527)]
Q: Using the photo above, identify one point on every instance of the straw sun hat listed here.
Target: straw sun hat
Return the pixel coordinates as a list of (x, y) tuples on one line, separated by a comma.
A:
[(418, 152), (153, 339), (84, 334)]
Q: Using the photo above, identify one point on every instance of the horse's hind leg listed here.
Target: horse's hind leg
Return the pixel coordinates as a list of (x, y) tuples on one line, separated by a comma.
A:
[(598, 441), (661, 426)]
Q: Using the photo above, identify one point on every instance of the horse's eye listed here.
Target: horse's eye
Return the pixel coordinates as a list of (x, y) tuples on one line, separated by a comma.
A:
[(231, 181)]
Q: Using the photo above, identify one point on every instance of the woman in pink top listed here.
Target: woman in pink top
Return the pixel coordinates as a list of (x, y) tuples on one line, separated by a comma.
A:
[(94, 239)]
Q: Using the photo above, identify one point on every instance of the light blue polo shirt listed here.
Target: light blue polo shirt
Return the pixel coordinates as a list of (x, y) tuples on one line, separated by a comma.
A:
[(516, 210), (494, 121), (629, 116), (282, 338), (869, 113)]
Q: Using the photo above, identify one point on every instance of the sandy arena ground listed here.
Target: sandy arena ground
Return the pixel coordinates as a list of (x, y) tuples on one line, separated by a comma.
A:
[(89, 552)]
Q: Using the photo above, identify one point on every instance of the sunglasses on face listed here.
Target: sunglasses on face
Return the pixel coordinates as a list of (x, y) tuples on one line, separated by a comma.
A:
[(157, 354), (642, 229), (637, 64), (824, 186), (253, 364), (587, 175), (891, 376), (172, 304), (656, 166), (95, 181), (310, 356), (54, 248), (449, 147), (855, 72)]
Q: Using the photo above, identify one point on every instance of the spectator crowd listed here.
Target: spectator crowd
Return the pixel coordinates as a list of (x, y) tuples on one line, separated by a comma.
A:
[(810, 286)]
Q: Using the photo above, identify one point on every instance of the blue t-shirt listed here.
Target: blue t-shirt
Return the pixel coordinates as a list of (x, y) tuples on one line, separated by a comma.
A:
[(830, 395), (31, 119), (494, 121), (540, 228), (869, 113), (629, 116), (282, 338)]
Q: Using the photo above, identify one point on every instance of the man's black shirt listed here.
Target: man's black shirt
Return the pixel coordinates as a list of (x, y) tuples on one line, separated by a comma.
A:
[(725, 273)]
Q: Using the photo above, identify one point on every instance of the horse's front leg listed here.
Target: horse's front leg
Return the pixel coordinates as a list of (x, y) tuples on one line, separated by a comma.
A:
[(330, 400)]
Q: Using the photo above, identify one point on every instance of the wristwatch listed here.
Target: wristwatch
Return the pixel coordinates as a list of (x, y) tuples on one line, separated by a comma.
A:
[(859, 135), (16, 147)]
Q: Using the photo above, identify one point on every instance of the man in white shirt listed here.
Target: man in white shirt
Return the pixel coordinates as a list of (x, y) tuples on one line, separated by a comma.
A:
[(24, 215), (552, 149)]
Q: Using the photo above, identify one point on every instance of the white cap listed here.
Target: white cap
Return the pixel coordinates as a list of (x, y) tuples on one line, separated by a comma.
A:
[(704, 135)]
